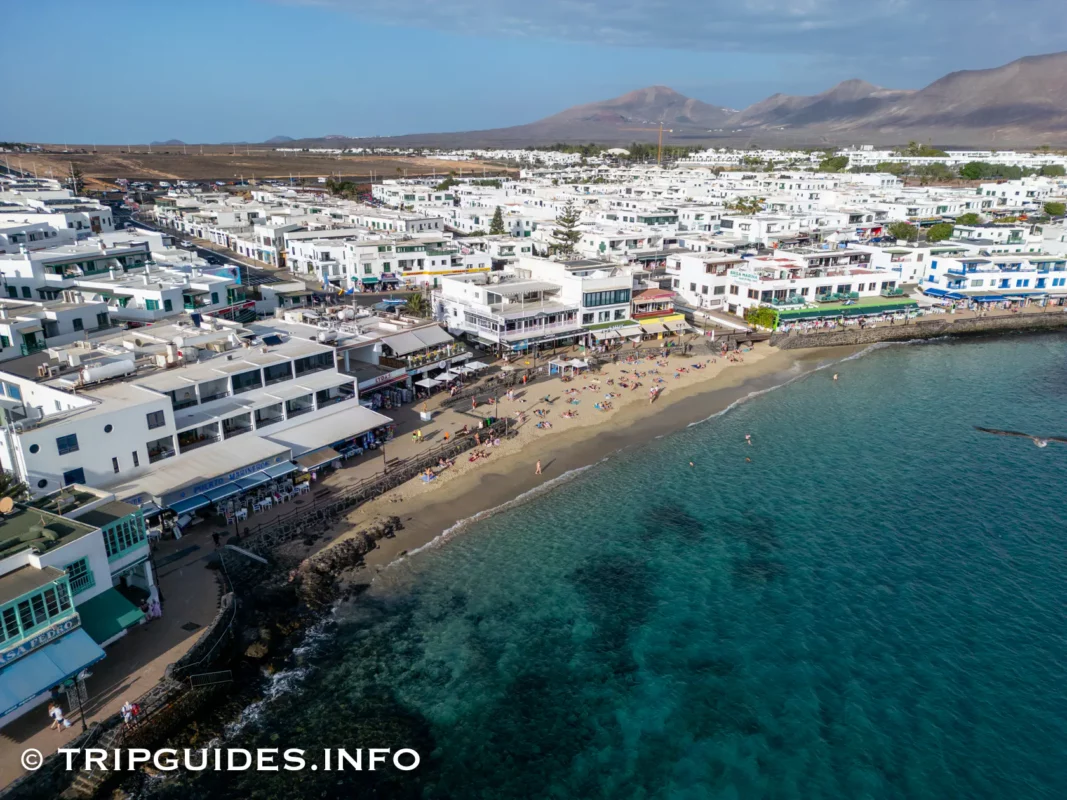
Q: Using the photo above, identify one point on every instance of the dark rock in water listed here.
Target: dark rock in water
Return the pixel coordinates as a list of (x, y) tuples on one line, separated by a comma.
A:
[(321, 578), (666, 520)]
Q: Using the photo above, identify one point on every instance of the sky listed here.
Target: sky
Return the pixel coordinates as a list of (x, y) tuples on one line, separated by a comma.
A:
[(135, 71)]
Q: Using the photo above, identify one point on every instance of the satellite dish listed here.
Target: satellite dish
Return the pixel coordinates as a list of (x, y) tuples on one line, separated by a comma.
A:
[(6, 504)]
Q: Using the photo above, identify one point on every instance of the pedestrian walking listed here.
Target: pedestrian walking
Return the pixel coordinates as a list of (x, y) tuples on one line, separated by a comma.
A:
[(538, 470)]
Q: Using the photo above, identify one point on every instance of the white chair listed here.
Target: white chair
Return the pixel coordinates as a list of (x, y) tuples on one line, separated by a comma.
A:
[(267, 502), (257, 508), (241, 514)]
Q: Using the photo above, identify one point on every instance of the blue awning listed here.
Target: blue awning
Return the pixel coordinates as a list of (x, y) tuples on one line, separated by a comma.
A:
[(222, 492), (253, 480), (277, 470), (944, 293), (33, 675), (190, 504)]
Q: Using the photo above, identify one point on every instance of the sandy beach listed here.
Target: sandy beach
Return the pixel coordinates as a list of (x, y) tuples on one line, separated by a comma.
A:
[(466, 489)]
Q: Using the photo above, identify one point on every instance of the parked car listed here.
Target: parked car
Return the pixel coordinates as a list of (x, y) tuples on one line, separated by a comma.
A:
[(187, 243)]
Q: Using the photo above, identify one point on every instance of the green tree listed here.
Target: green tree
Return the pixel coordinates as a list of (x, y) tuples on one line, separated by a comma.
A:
[(970, 218), (416, 305), (496, 227), (77, 182), (567, 233), (1053, 171), (12, 487), (915, 149), (833, 164), (902, 230), (939, 232), (446, 184), (762, 317), (745, 205), (1055, 209)]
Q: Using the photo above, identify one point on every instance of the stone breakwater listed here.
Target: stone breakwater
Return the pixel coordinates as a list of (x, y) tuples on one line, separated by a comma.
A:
[(949, 325)]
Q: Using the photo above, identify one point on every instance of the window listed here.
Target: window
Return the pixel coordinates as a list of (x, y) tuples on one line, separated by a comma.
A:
[(214, 298), (136, 460), (12, 292), (108, 428), (692, 287), (114, 464), (80, 576), (246, 381), (67, 444), (620, 313), (151, 305), (592, 299), (168, 305), (156, 419), (74, 476), (123, 536), (26, 292), (733, 290), (79, 325), (719, 290)]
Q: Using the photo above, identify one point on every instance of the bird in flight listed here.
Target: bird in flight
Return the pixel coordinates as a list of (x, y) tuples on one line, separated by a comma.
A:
[(1040, 441)]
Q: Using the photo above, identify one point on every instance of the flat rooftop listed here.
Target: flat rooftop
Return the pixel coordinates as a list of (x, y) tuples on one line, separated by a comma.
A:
[(24, 580), (27, 527)]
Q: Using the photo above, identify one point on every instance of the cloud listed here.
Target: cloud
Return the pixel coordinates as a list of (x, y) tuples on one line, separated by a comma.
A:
[(887, 29)]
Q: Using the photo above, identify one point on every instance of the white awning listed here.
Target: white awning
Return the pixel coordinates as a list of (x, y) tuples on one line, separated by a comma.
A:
[(476, 365), (654, 327), (629, 330), (601, 335), (678, 325), (340, 422), (428, 383)]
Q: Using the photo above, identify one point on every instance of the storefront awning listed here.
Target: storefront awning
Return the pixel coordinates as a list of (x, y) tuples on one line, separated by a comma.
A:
[(222, 492), (427, 383), (316, 458), (631, 330), (108, 614), (253, 480), (654, 327), (278, 470), (190, 504), (32, 675)]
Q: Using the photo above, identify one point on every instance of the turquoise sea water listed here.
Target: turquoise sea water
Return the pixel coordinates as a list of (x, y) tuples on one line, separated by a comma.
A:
[(873, 606)]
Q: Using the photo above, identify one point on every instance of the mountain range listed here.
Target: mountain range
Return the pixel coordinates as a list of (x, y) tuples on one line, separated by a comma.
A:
[(1018, 104)]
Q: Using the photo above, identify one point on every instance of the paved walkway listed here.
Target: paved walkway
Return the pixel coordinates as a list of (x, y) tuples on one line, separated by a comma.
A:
[(135, 662)]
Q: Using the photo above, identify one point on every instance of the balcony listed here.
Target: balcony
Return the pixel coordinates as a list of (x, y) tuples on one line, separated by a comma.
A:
[(160, 449), (298, 406), (235, 426), (198, 437), (29, 348)]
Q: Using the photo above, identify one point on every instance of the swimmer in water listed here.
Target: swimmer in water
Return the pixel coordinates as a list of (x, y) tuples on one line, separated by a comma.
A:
[(748, 438), (692, 464), (748, 460), (835, 376)]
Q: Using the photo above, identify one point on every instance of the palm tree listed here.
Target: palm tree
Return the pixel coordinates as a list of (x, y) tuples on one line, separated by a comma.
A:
[(12, 487), (416, 305)]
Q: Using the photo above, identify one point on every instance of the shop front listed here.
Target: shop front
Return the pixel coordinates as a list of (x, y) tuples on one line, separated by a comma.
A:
[(386, 391)]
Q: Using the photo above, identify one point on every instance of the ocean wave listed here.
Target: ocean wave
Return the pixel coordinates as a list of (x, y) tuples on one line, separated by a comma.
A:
[(280, 683), (519, 499)]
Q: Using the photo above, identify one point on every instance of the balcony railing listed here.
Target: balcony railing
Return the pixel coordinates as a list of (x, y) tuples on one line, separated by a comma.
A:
[(192, 444), (32, 347)]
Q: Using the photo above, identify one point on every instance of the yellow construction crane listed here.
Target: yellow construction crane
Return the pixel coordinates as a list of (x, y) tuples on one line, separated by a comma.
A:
[(662, 130)]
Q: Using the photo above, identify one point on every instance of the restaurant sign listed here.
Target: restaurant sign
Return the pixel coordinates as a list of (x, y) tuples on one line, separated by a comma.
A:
[(384, 378), (40, 640), (743, 276), (229, 477)]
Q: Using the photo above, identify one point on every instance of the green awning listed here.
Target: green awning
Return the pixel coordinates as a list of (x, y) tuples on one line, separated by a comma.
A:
[(108, 614)]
